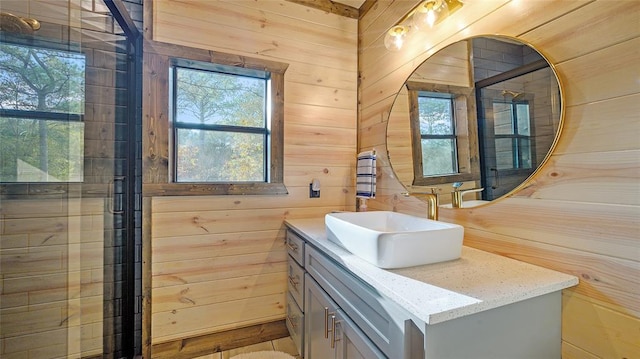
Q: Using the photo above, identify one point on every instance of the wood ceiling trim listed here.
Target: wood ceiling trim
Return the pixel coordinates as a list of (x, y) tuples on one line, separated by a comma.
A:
[(331, 7), (366, 6)]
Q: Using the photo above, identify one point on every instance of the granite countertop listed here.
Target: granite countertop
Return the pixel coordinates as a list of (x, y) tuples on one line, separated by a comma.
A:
[(435, 293)]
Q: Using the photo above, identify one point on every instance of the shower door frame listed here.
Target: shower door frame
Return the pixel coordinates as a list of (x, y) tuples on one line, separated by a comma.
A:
[(482, 121), (132, 303)]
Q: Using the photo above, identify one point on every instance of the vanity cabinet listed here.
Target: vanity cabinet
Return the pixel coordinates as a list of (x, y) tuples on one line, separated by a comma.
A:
[(295, 296), (330, 333), (343, 318), (317, 325), (482, 306), (382, 322)]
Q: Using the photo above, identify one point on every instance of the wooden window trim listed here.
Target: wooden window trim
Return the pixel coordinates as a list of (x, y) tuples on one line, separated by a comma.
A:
[(468, 160), (156, 124)]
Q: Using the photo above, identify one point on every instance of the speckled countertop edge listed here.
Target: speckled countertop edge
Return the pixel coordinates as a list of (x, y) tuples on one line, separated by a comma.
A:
[(439, 292)]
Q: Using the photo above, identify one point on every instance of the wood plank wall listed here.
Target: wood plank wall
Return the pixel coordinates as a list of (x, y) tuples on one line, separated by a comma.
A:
[(219, 262), (580, 214), (51, 253)]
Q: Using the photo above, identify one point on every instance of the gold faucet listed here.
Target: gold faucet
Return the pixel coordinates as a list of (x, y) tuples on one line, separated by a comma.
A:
[(456, 195), (433, 201)]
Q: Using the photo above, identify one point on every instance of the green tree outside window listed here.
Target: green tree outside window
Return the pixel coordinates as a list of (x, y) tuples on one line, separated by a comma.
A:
[(41, 102), (221, 125)]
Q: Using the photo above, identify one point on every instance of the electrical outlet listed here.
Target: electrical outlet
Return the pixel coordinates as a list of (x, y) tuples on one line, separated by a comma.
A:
[(312, 192)]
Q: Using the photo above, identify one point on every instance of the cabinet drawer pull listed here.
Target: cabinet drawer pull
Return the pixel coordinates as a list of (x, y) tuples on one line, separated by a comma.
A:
[(326, 322), (292, 246), (333, 332), (291, 321), (293, 282)]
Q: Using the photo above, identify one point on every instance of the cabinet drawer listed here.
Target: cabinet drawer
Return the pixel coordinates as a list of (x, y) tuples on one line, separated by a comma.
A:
[(368, 309), (295, 323), (295, 247), (296, 281)]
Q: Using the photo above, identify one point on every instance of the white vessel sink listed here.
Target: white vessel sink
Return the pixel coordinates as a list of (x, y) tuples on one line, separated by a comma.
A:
[(395, 240)]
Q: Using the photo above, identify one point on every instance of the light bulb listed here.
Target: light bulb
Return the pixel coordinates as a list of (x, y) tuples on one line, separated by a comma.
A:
[(428, 12), (395, 37)]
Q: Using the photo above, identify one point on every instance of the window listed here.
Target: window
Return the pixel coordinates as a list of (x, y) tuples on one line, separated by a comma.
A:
[(41, 111), (437, 134), (512, 135), (214, 123), (441, 131), (221, 123)]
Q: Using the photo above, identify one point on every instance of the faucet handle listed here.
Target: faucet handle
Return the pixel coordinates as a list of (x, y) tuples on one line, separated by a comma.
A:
[(433, 190), (479, 189), (457, 185)]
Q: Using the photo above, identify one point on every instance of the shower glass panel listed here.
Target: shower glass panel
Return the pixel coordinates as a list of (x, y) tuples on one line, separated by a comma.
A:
[(516, 118), (65, 199)]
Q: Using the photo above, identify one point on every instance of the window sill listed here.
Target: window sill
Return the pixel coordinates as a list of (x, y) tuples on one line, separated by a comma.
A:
[(213, 189), (460, 177)]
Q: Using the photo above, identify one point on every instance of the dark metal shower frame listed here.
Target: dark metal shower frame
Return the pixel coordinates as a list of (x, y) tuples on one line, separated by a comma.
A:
[(134, 66)]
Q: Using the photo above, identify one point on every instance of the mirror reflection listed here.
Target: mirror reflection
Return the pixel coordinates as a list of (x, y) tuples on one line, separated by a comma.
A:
[(475, 120)]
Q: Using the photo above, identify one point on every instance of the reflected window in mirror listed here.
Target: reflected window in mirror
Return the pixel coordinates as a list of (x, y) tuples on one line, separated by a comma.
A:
[(512, 128), (437, 134), (479, 72), (441, 146)]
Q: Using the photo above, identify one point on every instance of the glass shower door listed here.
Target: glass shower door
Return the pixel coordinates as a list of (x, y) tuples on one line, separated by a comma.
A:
[(518, 118), (506, 142), (65, 195)]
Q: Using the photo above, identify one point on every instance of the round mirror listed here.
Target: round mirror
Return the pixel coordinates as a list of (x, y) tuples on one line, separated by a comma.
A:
[(476, 119)]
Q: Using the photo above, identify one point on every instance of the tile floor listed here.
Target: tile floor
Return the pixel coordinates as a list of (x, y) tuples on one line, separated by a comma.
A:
[(283, 344)]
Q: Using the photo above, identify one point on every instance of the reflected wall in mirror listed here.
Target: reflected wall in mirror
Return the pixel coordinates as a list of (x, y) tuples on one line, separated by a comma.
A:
[(484, 112)]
